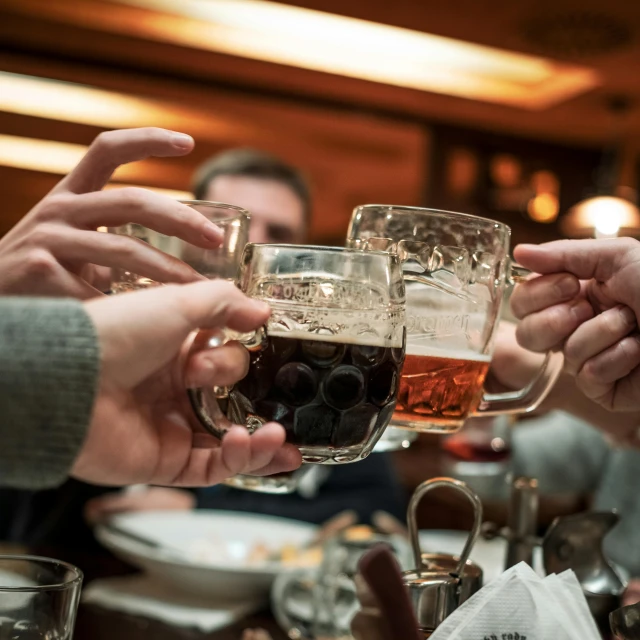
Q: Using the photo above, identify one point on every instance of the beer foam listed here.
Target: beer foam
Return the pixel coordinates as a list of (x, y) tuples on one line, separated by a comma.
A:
[(366, 340), (454, 354)]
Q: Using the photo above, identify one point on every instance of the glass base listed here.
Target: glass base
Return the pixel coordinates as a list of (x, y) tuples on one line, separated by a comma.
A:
[(334, 455), (263, 484), (395, 440), (424, 426), (277, 484)]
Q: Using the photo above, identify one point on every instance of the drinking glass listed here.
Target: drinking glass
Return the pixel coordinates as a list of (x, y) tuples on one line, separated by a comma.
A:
[(326, 366), (480, 454), (456, 270), (221, 262), (38, 598)]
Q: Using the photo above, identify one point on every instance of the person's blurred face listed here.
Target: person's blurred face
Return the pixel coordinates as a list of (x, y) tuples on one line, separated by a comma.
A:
[(277, 214)]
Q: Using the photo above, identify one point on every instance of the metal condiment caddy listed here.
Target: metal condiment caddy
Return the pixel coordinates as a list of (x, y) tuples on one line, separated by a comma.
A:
[(441, 582)]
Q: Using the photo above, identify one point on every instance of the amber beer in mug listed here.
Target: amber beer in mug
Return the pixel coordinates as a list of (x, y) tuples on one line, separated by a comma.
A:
[(456, 269), (327, 364), (440, 389)]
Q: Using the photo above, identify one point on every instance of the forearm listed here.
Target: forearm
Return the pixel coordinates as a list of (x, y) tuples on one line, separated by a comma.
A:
[(49, 369)]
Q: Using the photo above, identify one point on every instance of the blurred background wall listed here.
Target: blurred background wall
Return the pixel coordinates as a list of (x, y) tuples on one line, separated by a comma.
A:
[(516, 111)]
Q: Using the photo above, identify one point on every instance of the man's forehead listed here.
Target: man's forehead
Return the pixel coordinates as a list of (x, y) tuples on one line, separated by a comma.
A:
[(261, 196)]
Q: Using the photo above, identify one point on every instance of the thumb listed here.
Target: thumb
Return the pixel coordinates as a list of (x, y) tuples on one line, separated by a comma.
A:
[(585, 259), (141, 332)]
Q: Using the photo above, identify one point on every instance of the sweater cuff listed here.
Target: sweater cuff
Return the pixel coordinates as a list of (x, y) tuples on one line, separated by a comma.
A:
[(49, 373)]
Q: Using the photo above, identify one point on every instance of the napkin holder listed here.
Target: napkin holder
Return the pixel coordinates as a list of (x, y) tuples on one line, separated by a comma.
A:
[(440, 582), (576, 542)]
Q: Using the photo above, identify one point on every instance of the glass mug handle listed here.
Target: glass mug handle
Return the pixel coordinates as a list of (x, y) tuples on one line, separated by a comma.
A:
[(527, 399), (214, 420)]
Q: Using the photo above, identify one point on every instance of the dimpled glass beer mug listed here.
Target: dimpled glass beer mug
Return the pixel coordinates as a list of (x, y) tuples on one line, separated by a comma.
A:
[(326, 366), (456, 269), (221, 262), (38, 598)]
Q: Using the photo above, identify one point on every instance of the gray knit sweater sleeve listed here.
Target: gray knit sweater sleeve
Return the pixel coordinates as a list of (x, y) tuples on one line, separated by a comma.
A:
[(49, 369)]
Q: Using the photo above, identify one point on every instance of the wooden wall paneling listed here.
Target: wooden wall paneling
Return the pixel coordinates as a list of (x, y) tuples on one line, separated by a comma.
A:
[(350, 157), (100, 32)]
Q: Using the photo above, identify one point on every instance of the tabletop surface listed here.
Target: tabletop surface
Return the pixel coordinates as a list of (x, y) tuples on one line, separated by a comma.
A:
[(98, 623)]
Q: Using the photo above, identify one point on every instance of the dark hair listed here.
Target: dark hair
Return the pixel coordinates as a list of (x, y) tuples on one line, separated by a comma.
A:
[(254, 164)]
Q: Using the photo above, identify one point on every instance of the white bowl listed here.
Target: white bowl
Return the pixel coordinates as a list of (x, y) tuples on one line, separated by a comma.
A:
[(206, 552)]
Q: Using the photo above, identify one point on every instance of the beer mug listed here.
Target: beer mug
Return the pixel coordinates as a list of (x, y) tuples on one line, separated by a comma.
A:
[(456, 269), (221, 262), (326, 366)]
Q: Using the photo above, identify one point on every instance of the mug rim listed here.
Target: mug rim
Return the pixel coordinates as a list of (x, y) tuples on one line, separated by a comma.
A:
[(325, 248), (54, 586), (240, 211), (414, 209)]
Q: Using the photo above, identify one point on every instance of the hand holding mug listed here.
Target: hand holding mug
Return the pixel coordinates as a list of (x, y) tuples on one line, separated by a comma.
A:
[(586, 299), (141, 430), (56, 250)]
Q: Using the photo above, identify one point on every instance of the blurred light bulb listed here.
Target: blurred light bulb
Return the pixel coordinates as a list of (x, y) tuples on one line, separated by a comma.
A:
[(602, 216)]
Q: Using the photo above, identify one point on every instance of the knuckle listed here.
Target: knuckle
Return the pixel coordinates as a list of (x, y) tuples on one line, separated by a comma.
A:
[(39, 262), (122, 246), (43, 234), (54, 207), (134, 197), (105, 140), (628, 351), (525, 336), (572, 352), (555, 323)]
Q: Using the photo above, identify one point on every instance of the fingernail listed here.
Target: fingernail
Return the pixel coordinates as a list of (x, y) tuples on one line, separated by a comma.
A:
[(568, 286), (181, 140), (582, 311), (212, 233), (628, 316)]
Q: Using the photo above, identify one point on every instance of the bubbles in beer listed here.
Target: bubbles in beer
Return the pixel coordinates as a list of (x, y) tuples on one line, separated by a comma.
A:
[(440, 388), (297, 384), (326, 393), (314, 425), (344, 387)]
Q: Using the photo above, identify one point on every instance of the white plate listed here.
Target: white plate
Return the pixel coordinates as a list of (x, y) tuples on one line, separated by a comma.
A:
[(488, 554), (206, 552)]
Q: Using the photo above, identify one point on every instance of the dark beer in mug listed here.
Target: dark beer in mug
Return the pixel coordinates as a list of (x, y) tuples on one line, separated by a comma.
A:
[(333, 396)]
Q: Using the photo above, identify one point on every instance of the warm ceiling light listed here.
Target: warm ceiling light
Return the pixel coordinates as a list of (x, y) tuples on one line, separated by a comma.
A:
[(39, 155), (58, 158), (71, 102), (602, 217), (356, 48)]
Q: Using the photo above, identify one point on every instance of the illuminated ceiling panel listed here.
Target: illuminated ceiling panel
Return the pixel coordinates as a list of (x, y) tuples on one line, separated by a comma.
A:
[(356, 48), (58, 158), (71, 102)]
